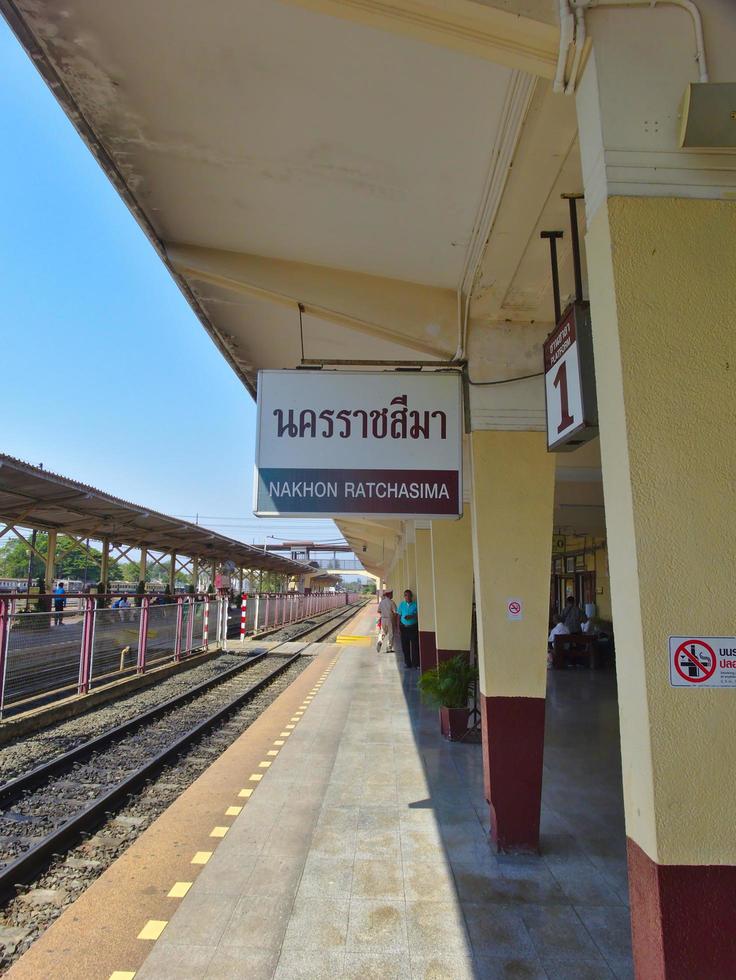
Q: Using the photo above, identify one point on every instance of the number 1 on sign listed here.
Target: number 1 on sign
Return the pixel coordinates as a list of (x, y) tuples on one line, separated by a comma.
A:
[(560, 382)]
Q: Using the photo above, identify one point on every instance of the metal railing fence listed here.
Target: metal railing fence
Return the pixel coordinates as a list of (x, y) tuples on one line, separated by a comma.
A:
[(52, 652), (49, 653), (261, 611)]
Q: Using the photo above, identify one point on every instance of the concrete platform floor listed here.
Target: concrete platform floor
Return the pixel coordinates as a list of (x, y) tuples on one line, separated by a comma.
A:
[(363, 851)]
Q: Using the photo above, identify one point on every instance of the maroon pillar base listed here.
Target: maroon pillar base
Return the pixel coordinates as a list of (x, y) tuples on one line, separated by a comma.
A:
[(448, 654), (681, 918), (513, 751), (427, 650)]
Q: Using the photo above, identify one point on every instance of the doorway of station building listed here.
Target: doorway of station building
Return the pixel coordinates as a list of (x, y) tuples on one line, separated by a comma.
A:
[(580, 569)]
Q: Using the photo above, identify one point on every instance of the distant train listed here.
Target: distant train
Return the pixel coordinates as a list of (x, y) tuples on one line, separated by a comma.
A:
[(13, 584)]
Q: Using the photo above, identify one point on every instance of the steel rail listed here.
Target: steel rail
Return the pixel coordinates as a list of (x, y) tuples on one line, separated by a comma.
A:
[(26, 865), (12, 790)]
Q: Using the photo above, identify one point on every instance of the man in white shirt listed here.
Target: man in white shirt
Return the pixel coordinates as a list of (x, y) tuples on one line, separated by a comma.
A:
[(559, 629), (387, 612)]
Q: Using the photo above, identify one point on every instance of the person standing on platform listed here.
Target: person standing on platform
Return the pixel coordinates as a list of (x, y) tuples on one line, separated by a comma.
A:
[(409, 628), (573, 615), (59, 603), (387, 612)]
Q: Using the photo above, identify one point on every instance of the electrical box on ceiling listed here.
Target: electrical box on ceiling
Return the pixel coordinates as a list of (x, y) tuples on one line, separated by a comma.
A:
[(709, 116)]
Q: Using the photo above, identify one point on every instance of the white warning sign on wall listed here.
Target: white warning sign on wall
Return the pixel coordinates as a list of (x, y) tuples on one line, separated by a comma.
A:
[(702, 661)]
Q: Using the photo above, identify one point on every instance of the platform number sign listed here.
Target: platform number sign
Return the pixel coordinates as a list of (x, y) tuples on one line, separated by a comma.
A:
[(569, 381)]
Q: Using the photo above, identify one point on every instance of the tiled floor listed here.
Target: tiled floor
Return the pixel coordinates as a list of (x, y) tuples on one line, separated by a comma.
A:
[(363, 853)]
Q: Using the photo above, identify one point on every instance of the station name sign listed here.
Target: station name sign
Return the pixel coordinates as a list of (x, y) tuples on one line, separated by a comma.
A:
[(346, 443), (569, 381)]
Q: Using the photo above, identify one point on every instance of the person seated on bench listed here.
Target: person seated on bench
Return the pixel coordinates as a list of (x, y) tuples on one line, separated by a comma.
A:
[(559, 629)]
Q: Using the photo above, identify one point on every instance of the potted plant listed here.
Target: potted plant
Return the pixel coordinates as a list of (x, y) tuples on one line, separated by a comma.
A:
[(448, 687)]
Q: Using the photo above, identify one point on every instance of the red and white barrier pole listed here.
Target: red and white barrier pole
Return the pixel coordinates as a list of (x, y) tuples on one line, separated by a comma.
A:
[(243, 616), (206, 623)]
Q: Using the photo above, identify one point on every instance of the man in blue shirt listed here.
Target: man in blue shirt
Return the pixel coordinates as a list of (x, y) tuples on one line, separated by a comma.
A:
[(59, 603), (409, 628)]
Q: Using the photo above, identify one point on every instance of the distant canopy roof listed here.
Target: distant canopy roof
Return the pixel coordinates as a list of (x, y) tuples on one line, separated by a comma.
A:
[(33, 497)]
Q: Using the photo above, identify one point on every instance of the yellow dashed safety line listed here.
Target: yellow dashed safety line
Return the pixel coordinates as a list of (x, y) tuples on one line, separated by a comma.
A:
[(154, 927), (179, 889)]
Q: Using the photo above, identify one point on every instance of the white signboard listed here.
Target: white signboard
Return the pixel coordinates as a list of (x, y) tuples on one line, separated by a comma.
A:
[(340, 443), (514, 609), (702, 661)]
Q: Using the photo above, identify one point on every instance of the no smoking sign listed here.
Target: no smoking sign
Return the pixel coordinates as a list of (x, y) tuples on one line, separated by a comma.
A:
[(514, 609), (702, 661)]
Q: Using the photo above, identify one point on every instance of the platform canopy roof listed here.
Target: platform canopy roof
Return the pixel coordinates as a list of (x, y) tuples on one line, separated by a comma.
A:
[(386, 168), (33, 497)]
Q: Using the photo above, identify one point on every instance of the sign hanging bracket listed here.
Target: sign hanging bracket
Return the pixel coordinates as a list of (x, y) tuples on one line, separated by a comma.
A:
[(553, 236), (572, 200)]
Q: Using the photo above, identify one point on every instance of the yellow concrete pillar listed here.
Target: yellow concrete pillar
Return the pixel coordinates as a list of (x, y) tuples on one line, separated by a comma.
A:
[(452, 564), (425, 599), (50, 559), (401, 584), (410, 581), (513, 478), (662, 274)]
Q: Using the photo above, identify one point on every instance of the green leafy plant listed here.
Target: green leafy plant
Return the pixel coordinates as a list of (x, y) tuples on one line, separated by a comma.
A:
[(448, 685)]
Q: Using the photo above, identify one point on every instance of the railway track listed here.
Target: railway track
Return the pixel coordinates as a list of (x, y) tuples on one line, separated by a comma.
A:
[(46, 811)]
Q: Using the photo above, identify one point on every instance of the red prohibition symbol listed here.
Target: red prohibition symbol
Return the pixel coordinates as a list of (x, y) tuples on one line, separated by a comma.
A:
[(695, 661), (514, 608)]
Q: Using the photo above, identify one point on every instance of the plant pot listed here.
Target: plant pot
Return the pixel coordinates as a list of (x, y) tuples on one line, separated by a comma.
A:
[(454, 722)]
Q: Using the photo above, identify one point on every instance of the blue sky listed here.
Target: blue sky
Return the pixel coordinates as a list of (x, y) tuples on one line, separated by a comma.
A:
[(108, 377)]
